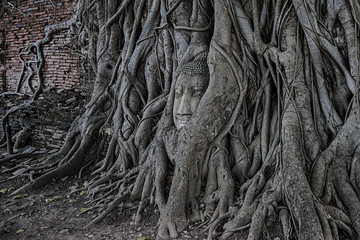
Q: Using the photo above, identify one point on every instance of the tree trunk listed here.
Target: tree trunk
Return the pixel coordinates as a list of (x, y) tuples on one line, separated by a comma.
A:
[(226, 112)]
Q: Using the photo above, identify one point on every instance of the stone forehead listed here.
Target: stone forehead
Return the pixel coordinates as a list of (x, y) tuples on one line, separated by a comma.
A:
[(197, 66)]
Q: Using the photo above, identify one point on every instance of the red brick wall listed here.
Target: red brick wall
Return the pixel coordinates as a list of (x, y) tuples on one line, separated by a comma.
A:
[(22, 24)]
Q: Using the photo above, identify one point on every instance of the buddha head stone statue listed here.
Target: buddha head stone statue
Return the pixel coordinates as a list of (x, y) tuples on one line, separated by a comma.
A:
[(190, 86)]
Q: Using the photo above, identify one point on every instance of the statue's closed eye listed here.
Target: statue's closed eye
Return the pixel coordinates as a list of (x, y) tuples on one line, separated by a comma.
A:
[(178, 91), (198, 93)]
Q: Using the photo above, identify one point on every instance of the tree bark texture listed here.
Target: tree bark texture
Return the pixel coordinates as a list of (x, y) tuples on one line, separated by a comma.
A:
[(273, 135)]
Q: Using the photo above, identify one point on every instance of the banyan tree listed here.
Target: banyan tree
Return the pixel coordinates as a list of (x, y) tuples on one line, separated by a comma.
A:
[(226, 112)]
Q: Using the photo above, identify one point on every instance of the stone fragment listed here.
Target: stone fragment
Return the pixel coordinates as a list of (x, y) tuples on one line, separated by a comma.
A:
[(30, 150)]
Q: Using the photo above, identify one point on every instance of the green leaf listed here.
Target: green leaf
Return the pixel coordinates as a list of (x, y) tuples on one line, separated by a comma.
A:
[(20, 231), (72, 200), (109, 131), (83, 192), (4, 190), (57, 197), (83, 209), (7, 230), (20, 196), (41, 159)]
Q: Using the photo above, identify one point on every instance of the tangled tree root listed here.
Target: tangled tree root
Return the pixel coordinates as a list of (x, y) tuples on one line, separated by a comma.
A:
[(273, 137)]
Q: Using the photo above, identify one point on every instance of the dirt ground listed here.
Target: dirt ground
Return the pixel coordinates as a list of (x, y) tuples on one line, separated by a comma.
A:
[(52, 212), (58, 211)]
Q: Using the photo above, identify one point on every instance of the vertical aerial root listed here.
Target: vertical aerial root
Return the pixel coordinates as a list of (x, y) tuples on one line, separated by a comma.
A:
[(242, 217), (333, 220), (138, 189), (166, 229), (324, 221), (196, 214), (225, 197), (215, 224), (142, 136), (256, 159), (285, 222), (219, 186), (355, 171), (160, 176), (109, 158), (142, 205), (342, 226), (72, 141), (257, 222), (347, 194), (334, 230), (254, 189), (319, 172), (72, 151), (146, 192), (338, 214)]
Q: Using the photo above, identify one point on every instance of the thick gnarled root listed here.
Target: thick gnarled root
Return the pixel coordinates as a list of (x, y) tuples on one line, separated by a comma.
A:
[(171, 225)]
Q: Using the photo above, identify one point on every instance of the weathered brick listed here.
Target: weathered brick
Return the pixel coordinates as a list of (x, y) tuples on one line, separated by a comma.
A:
[(23, 29)]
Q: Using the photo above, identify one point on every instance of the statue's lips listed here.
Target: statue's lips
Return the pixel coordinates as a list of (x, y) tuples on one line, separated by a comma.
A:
[(182, 119)]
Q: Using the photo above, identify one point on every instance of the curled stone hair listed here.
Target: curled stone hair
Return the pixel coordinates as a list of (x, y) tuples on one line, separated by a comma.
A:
[(197, 66)]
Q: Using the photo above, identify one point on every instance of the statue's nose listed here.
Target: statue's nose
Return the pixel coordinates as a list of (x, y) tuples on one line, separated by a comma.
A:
[(185, 105)]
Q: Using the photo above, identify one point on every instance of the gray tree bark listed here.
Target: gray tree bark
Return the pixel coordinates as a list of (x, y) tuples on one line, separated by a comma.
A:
[(273, 135)]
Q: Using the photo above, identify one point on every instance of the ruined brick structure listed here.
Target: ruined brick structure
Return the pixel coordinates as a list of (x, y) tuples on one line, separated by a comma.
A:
[(22, 22), (67, 79)]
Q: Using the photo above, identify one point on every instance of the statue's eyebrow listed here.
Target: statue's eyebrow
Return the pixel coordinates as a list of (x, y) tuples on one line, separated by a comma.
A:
[(198, 88)]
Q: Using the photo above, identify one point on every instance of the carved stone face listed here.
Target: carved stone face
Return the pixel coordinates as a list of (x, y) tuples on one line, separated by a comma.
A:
[(188, 91)]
